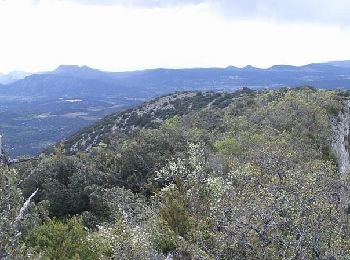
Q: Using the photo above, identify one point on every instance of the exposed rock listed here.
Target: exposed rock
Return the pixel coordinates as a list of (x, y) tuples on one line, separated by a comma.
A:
[(4, 159), (340, 149), (24, 208)]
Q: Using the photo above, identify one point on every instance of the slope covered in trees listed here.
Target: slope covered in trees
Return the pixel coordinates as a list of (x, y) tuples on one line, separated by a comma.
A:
[(148, 115), (245, 175)]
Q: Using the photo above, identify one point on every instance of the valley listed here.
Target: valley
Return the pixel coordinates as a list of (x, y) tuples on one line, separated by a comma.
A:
[(29, 126), (43, 108)]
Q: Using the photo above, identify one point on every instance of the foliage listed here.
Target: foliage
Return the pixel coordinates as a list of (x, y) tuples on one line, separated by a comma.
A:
[(64, 240), (245, 175), (66, 183)]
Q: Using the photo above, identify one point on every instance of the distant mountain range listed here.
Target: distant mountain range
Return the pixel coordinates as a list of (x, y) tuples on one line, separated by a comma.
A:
[(75, 81), (37, 110), (12, 77)]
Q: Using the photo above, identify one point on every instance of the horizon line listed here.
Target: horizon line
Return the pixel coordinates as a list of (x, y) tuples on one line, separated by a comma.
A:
[(169, 68)]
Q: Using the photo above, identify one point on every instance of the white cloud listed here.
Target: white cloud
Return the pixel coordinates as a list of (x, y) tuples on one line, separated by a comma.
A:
[(140, 3), (112, 37), (315, 11), (331, 12)]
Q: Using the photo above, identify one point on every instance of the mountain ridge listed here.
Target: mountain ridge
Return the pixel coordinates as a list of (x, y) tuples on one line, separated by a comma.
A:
[(12, 77), (72, 97), (154, 82)]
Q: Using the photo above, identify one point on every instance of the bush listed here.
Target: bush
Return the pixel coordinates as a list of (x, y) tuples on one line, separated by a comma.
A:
[(164, 239), (64, 240)]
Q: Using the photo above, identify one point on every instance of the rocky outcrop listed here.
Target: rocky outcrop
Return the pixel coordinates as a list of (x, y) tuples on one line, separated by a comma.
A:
[(340, 149), (340, 138), (3, 160)]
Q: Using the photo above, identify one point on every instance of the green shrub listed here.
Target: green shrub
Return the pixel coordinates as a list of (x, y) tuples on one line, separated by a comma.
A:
[(64, 240), (165, 240), (228, 146)]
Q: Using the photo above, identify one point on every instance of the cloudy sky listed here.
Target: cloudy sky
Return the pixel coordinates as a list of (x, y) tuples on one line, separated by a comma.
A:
[(118, 35)]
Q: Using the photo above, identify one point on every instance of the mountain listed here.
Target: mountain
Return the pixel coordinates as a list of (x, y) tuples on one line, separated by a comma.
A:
[(12, 77), (43, 108), (78, 71), (81, 81), (344, 63), (83, 72), (54, 85)]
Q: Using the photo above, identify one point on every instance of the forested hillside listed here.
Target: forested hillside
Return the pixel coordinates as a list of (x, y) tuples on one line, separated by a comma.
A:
[(149, 115), (244, 175)]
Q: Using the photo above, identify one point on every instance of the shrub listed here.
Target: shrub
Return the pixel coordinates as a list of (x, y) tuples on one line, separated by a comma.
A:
[(64, 240)]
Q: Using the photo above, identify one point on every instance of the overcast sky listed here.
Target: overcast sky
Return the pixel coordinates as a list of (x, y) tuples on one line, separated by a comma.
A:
[(118, 35)]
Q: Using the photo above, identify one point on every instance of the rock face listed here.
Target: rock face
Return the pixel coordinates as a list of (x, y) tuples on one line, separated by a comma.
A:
[(340, 142), (3, 156), (340, 148), (3, 160)]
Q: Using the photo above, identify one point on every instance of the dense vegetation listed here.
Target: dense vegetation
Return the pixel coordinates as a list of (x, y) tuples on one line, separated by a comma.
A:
[(248, 175), (148, 115)]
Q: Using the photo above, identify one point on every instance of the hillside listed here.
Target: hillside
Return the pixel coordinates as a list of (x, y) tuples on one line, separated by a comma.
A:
[(148, 115), (191, 176), (243, 175)]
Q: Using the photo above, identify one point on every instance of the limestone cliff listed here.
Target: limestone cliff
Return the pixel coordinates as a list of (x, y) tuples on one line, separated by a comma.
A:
[(4, 159), (340, 149)]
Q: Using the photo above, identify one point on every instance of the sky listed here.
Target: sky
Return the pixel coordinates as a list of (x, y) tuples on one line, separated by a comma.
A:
[(120, 35)]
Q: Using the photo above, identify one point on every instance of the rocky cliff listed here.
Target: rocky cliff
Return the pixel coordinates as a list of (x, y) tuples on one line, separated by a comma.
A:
[(3, 156), (340, 149), (4, 159)]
